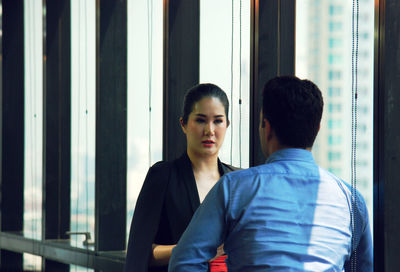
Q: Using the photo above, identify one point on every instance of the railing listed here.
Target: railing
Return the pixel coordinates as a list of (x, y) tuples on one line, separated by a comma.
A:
[(62, 251)]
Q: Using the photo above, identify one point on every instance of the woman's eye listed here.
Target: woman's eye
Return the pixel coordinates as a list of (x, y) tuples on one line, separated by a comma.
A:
[(218, 121), (200, 120)]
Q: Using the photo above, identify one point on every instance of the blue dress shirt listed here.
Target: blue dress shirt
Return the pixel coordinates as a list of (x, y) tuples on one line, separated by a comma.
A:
[(286, 215)]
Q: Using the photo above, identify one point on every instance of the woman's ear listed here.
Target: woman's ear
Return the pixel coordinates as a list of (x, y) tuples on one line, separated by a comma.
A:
[(183, 126), (228, 123)]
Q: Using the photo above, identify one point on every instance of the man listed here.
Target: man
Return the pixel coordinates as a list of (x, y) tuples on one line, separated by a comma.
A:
[(287, 214)]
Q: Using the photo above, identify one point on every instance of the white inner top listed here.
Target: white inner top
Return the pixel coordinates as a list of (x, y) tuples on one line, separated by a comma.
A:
[(204, 187)]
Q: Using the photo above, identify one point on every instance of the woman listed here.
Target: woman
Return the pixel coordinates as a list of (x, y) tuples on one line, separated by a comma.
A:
[(172, 191)]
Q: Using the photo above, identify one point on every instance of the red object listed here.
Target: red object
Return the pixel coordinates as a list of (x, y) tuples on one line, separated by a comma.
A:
[(219, 265)]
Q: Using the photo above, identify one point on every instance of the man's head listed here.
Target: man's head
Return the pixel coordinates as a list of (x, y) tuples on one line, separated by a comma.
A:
[(291, 113)]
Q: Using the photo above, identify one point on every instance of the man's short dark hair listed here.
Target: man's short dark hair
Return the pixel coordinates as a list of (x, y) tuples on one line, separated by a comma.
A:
[(293, 107)]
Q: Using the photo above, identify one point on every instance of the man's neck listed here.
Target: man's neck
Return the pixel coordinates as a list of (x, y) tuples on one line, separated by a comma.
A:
[(276, 146)]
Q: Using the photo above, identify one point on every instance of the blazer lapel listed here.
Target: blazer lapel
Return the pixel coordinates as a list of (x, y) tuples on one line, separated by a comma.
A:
[(222, 168), (187, 176)]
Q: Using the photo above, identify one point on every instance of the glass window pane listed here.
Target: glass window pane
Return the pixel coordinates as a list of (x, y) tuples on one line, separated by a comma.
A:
[(327, 61), (33, 126), (145, 78), (32, 262), (225, 61), (76, 268), (83, 87)]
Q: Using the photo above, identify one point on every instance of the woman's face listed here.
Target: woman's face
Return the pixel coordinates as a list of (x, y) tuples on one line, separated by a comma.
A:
[(206, 127)]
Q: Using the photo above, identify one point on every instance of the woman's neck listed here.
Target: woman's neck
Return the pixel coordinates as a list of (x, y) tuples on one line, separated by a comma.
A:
[(203, 163)]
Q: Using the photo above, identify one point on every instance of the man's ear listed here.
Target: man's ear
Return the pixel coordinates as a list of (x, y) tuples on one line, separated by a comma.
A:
[(266, 125), (182, 125)]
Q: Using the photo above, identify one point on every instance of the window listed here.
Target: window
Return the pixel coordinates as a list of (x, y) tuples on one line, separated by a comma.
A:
[(333, 77), (33, 151), (335, 59), (334, 107), (335, 42), (364, 35), (363, 109), (334, 91), (362, 146), (364, 73), (362, 163), (364, 91), (364, 54), (225, 61), (337, 171), (335, 26), (334, 124), (335, 10), (145, 64), (364, 17), (83, 116), (362, 128), (334, 140), (334, 155)]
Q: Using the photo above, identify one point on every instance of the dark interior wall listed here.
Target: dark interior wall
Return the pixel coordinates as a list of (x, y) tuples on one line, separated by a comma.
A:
[(12, 126), (387, 136)]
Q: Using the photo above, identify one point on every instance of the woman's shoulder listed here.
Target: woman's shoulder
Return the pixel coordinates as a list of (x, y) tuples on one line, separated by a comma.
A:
[(160, 168), (230, 168), (160, 164)]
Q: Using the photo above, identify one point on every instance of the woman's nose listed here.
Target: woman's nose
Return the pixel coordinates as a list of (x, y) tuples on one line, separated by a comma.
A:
[(209, 129)]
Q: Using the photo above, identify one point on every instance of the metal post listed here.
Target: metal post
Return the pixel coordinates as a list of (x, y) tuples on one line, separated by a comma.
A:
[(386, 136), (12, 127), (181, 68), (272, 54), (111, 126), (57, 126)]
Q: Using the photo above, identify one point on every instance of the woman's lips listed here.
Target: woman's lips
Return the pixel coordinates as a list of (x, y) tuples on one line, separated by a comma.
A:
[(208, 143)]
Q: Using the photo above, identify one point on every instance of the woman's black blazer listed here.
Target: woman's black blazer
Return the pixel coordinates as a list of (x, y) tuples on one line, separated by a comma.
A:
[(166, 203)]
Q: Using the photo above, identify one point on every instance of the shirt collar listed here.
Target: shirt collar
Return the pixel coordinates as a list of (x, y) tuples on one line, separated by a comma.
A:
[(291, 154)]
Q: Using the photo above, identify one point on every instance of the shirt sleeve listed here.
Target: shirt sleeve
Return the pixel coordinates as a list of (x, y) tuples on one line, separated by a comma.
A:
[(205, 233), (363, 253)]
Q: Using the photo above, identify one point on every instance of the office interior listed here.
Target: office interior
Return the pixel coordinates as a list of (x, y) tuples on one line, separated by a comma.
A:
[(91, 95)]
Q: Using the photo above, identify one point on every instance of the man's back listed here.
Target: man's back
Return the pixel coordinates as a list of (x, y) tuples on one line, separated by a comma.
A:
[(294, 215), (286, 215)]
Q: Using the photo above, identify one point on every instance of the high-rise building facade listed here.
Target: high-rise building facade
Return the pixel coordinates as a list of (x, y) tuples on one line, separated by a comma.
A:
[(324, 49)]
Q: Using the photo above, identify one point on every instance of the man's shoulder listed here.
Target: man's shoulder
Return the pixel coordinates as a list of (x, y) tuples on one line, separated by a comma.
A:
[(349, 188), (252, 172), (353, 194)]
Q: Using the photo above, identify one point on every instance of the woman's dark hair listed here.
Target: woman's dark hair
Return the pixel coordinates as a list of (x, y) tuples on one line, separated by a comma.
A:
[(200, 91), (294, 109)]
